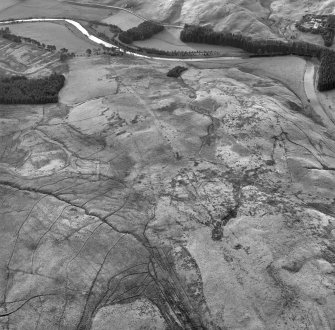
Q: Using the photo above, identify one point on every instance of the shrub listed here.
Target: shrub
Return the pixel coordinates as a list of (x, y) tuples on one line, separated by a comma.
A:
[(176, 71)]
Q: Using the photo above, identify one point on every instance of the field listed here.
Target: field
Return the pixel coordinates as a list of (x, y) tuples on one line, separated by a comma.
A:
[(215, 170), (50, 8), (53, 34), (7, 3), (87, 80), (26, 59), (287, 69), (123, 20)]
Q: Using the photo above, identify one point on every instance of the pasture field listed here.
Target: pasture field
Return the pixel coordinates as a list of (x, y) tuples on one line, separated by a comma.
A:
[(123, 20), (169, 40), (48, 8), (287, 69), (52, 34), (88, 79), (95, 29), (4, 4)]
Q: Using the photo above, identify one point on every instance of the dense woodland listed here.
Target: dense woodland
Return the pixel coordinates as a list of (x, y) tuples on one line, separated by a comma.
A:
[(144, 31), (329, 33), (327, 71), (193, 33), (21, 90)]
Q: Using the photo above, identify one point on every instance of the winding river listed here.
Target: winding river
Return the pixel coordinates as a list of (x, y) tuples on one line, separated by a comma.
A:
[(107, 44), (308, 77)]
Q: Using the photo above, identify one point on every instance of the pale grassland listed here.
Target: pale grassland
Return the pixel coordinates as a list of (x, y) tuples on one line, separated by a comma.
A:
[(51, 34), (287, 69)]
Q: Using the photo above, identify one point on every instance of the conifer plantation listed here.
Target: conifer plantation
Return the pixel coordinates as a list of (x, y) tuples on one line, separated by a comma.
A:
[(264, 47), (327, 71), (144, 31), (21, 90)]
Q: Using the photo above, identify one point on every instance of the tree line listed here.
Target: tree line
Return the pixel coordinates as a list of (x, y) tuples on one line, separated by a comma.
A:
[(141, 32), (161, 52), (265, 47), (7, 34), (21, 90)]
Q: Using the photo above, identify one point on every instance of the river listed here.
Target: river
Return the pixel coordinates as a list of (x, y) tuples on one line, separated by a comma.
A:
[(99, 41)]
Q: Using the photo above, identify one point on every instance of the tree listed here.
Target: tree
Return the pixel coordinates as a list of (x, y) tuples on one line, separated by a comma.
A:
[(176, 71), (88, 52)]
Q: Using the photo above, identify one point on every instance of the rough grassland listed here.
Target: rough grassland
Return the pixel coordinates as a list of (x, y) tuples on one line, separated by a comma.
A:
[(205, 200)]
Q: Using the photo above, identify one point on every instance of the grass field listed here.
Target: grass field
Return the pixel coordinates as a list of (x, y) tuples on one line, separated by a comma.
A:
[(123, 20), (287, 69), (52, 34), (4, 4), (27, 59), (48, 8)]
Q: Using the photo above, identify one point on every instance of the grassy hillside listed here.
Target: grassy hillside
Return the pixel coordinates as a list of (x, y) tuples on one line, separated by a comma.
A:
[(265, 18)]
